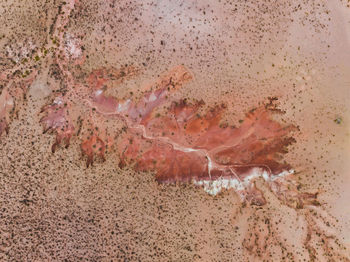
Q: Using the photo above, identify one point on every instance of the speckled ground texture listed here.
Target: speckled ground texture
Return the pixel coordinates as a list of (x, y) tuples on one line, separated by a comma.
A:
[(63, 206)]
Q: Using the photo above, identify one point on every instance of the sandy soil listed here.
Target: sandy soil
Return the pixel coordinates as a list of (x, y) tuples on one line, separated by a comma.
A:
[(54, 208)]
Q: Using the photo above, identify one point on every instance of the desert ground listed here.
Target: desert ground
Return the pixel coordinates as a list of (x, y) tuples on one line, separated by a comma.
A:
[(56, 208)]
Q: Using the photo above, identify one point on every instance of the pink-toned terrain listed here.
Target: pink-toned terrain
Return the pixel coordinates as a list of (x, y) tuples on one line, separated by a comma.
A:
[(175, 131)]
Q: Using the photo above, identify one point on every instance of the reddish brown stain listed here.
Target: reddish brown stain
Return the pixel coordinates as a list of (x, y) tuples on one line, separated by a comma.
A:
[(57, 120), (103, 77), (259, 141), (93, 146)]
